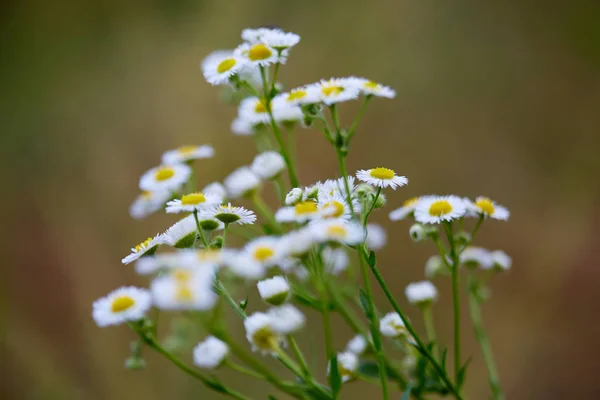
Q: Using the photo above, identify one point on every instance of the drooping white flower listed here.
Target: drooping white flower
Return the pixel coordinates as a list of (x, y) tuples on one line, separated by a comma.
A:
[(279, 40), (300, 212), (268, 165), (293, 197), (193, 202), (274, 290), (408, 207), (501, 260), (488, 208), (336, 260), (435, 209), (241, 182), (338, 230), (216, 189), (370, 88), (286, 319), (284, 113), (182, 234), (435, 267), (148, 203), (376, 236), (220, 66), (184, 289), (127, 303), (334, 90), (357, 345), (347, 363), (381, 177), (147, 247), (210, 353), (476, 256), (421, 293), (229, 214), (187, 153), (391, 325), (165, 178), (260, 333)]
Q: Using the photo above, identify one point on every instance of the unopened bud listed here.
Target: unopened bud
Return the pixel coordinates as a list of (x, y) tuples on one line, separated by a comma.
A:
[(380, 201), (293, 197), (418, 232)]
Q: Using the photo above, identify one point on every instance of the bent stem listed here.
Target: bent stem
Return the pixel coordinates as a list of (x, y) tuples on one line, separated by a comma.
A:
[(482, 338), (455, 296)]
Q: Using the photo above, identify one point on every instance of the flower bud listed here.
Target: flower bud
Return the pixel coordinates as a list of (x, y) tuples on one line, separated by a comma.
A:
[(364, 190), (501, 260), (463, 238), (274, 290), (421, 293), (418, 232), (311, 193), (435, 267), (293, 197), (380, 201), (135, 363)]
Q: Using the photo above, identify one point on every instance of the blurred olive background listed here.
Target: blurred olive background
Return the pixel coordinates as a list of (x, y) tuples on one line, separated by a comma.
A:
[(496, 98)]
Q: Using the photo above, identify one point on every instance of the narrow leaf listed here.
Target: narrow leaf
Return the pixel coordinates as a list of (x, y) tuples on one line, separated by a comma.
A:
[(335, 380), (364, 303), (372, 260)]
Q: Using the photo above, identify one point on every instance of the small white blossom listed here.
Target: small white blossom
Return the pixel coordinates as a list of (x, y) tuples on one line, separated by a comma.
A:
[(220, 66), (391, 325), (148, 203), (165, 178), (147, 247), (501, 260), (381, 177), (419, 293), (435, 209), (210, 353), (286, 319), (347, 363), (187, 153), (127, 303), (215, 188), (476, 256), (293, 197), (408, 207), (357, 345), (260, 333), (376, 236), (229, 214), (193, 202), (336, 260), (268, 165), (274, 290), (241, 182), (488, 208)]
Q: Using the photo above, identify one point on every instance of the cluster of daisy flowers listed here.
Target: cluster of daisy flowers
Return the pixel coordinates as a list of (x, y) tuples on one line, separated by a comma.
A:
[(297, 257)]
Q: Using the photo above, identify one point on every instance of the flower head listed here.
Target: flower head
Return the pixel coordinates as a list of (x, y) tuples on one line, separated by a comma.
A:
[(347, 363), (299, 96), (181, 234), (334, 90), (260, 54), (229, 214), (147, 247), (210, 353), (501, 260), (184, 289), (274, 290), (421, 293), (148, 202), (338, 230), (376, 236), (357, 345), (241, 182), (300, 212), (391, 325), (193, 202), (279, 40), (435, 267), (220, 66), (293, 197), (165, 178), (487, 208), (187, 153), (476, 256), (381, 177), (268, 165), (260, 333), (408, 207), (336, 260), (265, 250), (370, 88), (435, 209), (242, 266), (286, 319), (127, 303), (216, 189)]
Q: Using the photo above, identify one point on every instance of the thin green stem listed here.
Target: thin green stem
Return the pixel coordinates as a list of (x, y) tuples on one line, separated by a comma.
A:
[(320, 275), (420, 345), (275, 73), (263, 208), (455, 296), (482, 338), (361, 112), (292, 366), (372, 207), (229, 298), (298, 354), (374, 323), (200, 230), (342, 164), (244, 370), (429, 325), (224, 235)]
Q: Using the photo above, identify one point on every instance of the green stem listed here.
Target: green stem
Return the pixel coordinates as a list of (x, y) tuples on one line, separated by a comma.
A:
[(244, 370), (274, 80), (224, 236), (230, 300), (263, 208), (298, 354), (420, 345), (200, 230), (482, 338), (292, 366), (429, 325), (372, 206), (342, 164), (455, 296), (361, 112), (374, 323)]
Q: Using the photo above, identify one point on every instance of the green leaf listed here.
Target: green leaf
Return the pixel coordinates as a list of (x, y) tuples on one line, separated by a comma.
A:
[(365, 304), (372, 259), (216, 386), (406, 394), (335, 380), (462, 374)]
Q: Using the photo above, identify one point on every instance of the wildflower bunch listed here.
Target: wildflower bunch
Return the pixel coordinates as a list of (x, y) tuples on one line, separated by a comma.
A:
[(305, 255)]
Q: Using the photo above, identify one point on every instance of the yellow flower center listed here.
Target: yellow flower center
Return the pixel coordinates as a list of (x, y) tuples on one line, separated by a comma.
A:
[(382, 173), (336, 231), (226, 65), (263, 253), (184, 294), (146, 195), (296, 95), (440, 207), (143, 245), (208, 255), (164, 173), (265, 339), (193, 199), (305, 207), (259, 52), (485, 205), (336, 206), (121, 303), (371, 85), (410, 202), (186, 150), (182, 275), (331, 90), (398, 327), (260, 107)]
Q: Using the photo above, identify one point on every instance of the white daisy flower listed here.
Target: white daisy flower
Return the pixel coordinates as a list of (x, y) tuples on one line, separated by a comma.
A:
[(408, 207), (297, 243), (242, 266), (435, 267), (268, 165), (193, 202), (334, 91), (488, 208), (476, 256), (148, 203), (216, 189), (210, 353), (417, 232), (381, 177), (260, 333), (347, 363), (501, 260), (254, 35), (338, 230), (284, 113), (286, 319), (182, 234), (336, 260), (301, 212), (293, 197), (335, 205), (146, 248), (184, 289), (127, 303), (243, 127), (241, 182), (376, 236), (421, 293), (261, 54), (200, 258), (153, 264), (279, 40), (274, 290), (229, 214), (165, 178), (219, 67), (435, 209), (371, 88), (357, 345), (187, 153), (253, 111), (265, 250), (299, 96), (391, 325)]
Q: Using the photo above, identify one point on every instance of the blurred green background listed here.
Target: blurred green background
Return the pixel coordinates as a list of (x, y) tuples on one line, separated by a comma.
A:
[(497, 98)]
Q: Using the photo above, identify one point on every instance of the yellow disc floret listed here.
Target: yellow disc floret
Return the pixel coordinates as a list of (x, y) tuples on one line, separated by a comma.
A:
[(440, 207), (410, 202), (263, 253), (296, 95), (182, 275), (331, 90), (144, 245), (371, 85), (184, 294), (335, 207), (260, 107), (186, 150), (164, 173), (382, 173), (305, 207), (193, 199), (226, 65), (121, 303), (259, 52), (485, 205), (265, 339), (337, 231)]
